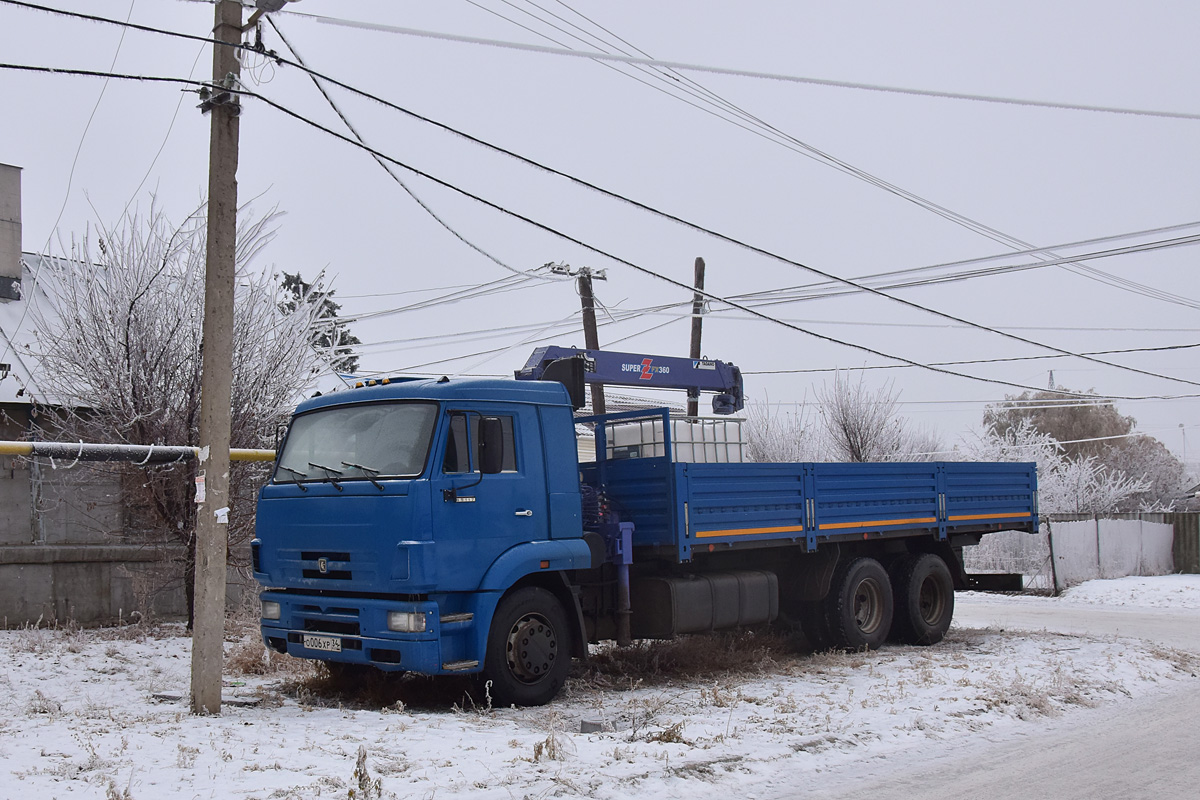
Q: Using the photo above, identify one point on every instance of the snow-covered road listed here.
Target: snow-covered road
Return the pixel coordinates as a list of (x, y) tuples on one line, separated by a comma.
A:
[(78, 718), (1137, 748)]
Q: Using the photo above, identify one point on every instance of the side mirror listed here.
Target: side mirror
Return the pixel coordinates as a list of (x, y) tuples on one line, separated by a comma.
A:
[(570, 372), (491, 446)]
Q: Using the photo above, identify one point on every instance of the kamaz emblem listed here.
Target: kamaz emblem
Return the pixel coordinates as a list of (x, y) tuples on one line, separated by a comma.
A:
[(322, 565)]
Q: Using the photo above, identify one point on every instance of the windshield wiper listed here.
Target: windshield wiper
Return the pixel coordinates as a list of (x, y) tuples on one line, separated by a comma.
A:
[(298, 475), (368, 471), (330, 472)]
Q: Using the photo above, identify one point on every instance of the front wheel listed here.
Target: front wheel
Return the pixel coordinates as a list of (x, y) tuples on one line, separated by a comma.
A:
[(528, 650), (859, 605)]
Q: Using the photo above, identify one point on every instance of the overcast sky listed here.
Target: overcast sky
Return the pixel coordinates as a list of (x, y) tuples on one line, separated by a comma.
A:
[(1046, 176)]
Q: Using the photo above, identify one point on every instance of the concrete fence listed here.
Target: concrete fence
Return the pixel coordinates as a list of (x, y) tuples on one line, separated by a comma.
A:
[(1069, 550)]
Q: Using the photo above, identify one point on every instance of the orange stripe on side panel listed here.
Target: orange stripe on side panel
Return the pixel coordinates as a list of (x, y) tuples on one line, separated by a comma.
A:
[(750, 531), (1010, 515), (877, 522)]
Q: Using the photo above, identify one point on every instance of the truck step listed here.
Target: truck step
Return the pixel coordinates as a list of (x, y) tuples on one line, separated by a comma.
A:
[(456, 666), (463, 617)]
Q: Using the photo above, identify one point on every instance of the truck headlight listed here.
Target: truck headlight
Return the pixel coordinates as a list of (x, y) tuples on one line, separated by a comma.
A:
[(270, 609), (406, 621)]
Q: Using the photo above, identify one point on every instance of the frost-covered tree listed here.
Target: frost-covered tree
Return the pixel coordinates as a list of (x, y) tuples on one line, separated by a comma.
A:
[(859, 423), (119, 348), (1091, 427), (1080, 485), (1083, 424), (779, 435), (331, 336)]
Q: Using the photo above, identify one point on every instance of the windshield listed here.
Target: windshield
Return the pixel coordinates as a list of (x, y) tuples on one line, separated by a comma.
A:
[(363, 442)]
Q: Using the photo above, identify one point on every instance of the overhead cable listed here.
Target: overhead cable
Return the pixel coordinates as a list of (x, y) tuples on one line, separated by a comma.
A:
[(649, 209), (386, 168), (646, 271), (689, 67), (759, 127), (955, 217)]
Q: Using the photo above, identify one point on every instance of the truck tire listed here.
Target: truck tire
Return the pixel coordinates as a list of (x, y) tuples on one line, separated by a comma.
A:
[(528, 650), (924, 599), (859, 605)]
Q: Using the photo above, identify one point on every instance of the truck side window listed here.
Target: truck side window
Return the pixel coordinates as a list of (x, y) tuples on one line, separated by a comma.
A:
[(462, 447)]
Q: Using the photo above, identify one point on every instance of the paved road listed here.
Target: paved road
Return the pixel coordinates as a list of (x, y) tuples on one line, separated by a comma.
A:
[(1175, 627), (1146, 748)]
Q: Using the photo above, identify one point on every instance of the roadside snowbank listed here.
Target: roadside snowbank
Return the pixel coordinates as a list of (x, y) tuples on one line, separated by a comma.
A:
[(1167, 591), (79, 718)]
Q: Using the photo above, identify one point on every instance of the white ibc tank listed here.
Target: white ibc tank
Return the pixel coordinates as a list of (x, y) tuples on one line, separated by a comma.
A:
[(704, 441)]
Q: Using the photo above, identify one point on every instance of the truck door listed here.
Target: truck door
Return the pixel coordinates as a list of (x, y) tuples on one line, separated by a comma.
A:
[(477, 517)]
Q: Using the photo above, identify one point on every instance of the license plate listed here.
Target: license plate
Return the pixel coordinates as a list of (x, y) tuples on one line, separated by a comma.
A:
[(323, 643)]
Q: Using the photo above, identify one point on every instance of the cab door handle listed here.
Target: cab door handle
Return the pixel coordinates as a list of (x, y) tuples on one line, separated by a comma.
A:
[(524, 512)]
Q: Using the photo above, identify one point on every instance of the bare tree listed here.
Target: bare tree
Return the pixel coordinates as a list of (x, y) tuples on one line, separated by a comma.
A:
[(863, 424), (779, 435), (119, 351)]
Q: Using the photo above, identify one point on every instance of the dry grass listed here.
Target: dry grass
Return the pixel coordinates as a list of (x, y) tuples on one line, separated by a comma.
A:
[(709, 656), (610, 668), (369, 688)]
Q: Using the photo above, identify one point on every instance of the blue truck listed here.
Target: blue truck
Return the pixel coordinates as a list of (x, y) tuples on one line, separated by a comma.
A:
[(448, 527)]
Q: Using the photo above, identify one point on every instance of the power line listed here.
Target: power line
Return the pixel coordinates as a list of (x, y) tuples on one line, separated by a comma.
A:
[(798, 146), (770, 132), (689, 67), (644, 270), (424, 206), (809, 291), (658, 212), (566, 237), (651, 210), (1086, 271), (1163, 348)]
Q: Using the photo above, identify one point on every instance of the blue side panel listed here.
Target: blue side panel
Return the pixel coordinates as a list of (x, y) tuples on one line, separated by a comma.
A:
[(686, 507), (752, 502), (875, 498), (644, 491), (1001, 494)]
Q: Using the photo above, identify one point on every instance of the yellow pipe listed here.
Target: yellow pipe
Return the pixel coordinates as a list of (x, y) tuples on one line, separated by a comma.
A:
[(244, 454), (235, 454)]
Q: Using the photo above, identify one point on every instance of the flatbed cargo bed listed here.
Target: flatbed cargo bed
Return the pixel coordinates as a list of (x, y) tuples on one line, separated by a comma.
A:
[(679, 509)]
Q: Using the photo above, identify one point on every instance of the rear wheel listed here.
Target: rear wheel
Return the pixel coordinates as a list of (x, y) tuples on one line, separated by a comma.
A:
[(859, 605), (528, 650), (924, 599)]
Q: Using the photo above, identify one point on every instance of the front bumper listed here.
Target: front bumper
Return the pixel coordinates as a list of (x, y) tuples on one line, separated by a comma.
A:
[(355, 631)]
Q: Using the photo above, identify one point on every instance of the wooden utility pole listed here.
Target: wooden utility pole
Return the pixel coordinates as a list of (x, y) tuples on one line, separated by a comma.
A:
[(693, 404), (591, 339), (212, 513)]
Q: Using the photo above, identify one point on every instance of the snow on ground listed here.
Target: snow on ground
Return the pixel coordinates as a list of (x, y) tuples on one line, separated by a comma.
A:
[(1163, 591), (78, 716), (1166, 591)]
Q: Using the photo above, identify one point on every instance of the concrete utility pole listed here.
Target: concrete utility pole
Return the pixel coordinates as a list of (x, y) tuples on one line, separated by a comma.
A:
[(212, 513), (693, 404), (591, 339)]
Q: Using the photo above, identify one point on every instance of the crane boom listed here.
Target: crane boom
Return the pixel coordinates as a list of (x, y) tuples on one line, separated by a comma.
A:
[(573, 366)]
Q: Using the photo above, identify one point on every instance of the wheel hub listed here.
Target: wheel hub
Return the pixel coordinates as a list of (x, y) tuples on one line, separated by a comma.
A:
[(532, 648), (931, 601), (868, 607)]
